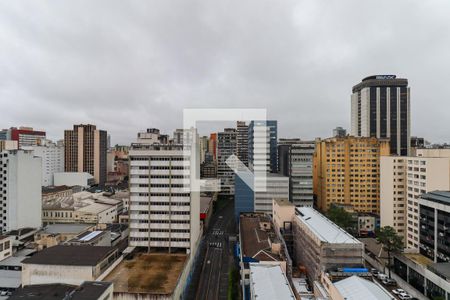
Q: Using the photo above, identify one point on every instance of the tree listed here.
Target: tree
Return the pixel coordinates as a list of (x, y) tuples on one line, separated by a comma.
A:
[(342, 218), (392, 243)]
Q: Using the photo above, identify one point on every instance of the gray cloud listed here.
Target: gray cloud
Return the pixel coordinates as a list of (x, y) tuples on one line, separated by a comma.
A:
[(128, 65)]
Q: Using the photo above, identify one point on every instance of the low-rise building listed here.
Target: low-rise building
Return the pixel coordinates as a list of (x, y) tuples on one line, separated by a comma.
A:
[(269, 282), (260, 243), (55, 234), (88, 290), (83, 179), (318, 243), (5, 247), (68, 264)]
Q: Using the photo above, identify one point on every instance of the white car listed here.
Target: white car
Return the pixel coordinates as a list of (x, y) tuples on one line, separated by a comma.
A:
[(398, 291), (404, 297)]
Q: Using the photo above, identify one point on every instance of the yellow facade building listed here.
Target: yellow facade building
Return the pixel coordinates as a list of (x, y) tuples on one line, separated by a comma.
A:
[(347, 172)]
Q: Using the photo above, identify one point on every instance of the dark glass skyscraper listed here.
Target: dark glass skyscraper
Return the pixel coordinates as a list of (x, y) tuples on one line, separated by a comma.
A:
[(381, 109)]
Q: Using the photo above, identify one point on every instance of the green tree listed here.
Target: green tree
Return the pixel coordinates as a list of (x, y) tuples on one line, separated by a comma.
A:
[(342, 218), (392, 243)]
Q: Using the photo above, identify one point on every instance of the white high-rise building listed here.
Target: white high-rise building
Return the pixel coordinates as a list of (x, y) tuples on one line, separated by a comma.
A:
[(52, 160), (20, 190), (402, 182), (164, 210)]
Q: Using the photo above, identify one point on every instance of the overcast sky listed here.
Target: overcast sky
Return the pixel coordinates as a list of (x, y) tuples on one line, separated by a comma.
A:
[(129, 65)]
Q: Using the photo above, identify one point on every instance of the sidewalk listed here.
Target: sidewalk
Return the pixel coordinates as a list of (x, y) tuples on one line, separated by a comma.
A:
[(401, 283)]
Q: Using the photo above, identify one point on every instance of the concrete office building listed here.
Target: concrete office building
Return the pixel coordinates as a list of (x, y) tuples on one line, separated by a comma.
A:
[(213, 145), (434, 233), (401, 190), (164, 210), (20, 190), (85, 151), (226, 146), (203, 144), (381, 109), (295, 160), (25, 136), (52, 155), (242, 142), (262, 146), (8, 145), (347, 172), (277, 187)]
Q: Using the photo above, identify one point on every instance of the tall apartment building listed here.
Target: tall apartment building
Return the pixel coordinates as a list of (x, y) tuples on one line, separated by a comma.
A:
[(347, 172), (426, 172), (276, 187), (381, 109), (262, 146), (85, 151), (25, 136), (295, 160), (20, 190), (393, 181), (52, 155), (242, 142), (164, 210), (434, 226), (226, 146)]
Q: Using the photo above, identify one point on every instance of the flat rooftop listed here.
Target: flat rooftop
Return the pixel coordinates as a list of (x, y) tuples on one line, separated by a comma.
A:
[(418, 258), (151, 273), (324, 229), (269, 282), (70, 255), (284, 202), (66, 228), (356, 288), (442, 197)]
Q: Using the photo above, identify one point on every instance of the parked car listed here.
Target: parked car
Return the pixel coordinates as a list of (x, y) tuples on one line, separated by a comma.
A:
[(374, 271), (404, 297), (382, 276), (389, 281), (398, 291)]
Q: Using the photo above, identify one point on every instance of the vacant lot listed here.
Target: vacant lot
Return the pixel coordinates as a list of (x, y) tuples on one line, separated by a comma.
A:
[(148, 273)]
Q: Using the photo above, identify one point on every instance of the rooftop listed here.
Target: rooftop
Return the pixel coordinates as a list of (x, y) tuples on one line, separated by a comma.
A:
[(65, 228), (256, 242), (418, 258), (442, 197), (148, 273), (284, 202), (443, 269), (55, 189), (269, 282), (10, 279), (324, 229), (94, 208), (89, 290), (70, 255), (356, 288)]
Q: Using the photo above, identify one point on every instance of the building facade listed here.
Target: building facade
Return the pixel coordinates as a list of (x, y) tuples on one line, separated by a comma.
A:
[(434, 226), (52, 155), (262, 146), (226, 146), (164, 211), (85, 151), (25, 136), (381, 108), (242, 142), (276, 187), (347, 172), (20, 190)]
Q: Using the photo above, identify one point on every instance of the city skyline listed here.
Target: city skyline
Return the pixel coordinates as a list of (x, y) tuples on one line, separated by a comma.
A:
[(153, 60)]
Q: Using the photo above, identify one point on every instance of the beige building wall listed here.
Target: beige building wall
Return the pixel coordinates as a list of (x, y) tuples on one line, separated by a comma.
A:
[(393, 193), (283, 211), (347, 172), (424, 174)]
